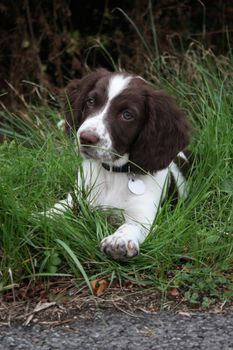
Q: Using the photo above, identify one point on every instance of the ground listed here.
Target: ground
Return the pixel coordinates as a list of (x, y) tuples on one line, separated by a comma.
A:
[(60, 302), (112, 329)]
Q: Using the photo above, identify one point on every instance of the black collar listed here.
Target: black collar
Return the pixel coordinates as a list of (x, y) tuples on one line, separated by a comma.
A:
[(117, 169)]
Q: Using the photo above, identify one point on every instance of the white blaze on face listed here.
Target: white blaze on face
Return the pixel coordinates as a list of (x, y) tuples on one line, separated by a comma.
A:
[(96, 123), (116, 85)]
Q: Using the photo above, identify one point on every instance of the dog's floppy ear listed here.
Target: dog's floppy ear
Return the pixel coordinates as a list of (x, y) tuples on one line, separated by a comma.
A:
[(164, 134), (75, 95)]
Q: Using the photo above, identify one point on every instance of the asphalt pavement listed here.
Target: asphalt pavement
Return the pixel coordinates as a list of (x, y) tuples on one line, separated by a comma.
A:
[(117, 330)]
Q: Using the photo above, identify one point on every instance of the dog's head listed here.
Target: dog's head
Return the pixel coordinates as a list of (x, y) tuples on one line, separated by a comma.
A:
[(119, 117)]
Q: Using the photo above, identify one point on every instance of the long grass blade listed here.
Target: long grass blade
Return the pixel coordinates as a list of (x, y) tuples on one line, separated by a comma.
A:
[(76, 261)]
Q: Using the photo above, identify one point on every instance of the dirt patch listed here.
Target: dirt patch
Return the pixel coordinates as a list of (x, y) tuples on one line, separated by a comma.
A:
[(61, 302)]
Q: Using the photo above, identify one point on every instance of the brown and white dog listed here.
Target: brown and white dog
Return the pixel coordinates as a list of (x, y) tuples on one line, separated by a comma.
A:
[(131, 138)]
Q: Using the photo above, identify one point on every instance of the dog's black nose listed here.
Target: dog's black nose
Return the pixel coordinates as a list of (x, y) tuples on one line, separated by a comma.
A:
[(88, 138)]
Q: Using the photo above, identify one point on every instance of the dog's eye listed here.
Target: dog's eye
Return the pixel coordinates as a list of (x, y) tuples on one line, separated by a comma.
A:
[(90, 101), (126, 115)]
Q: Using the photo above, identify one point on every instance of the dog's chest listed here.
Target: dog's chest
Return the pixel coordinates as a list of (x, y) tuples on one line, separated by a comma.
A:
[(104, 188), (109, 189)]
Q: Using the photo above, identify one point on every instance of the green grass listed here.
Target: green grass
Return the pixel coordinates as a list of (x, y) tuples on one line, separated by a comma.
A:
[(189, 247)]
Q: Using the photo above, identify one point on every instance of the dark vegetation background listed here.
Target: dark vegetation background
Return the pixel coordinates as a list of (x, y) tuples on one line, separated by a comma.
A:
[(50, 42)]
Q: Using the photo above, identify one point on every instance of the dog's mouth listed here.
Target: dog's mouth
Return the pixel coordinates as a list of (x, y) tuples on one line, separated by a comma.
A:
[(97, 153)]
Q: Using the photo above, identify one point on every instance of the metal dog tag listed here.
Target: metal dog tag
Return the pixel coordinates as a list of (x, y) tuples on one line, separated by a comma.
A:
[(136, 186)]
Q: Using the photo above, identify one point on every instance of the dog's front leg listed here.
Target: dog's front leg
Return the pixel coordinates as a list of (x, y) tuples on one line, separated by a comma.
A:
[(124, 243), (60, 207)]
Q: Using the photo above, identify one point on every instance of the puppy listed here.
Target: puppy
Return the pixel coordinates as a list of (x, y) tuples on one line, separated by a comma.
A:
[(132, 140)]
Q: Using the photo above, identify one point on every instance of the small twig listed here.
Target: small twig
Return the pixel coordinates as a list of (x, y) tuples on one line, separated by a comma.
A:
[(56, 323), (39, 307), (17, 93), (12, 282), (122, 310), (222, 305)]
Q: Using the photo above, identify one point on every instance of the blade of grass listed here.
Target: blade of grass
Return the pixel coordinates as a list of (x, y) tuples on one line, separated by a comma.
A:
[(149, 52), (76, 262)]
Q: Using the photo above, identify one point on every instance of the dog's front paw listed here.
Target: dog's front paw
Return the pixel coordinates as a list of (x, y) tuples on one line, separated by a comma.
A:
[(119, 247)]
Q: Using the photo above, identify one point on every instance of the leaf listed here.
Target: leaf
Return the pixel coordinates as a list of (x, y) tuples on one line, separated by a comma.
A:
[(226, 186), (212, 239), (174, 292), (55, 260), (52, 269), (99, 286)]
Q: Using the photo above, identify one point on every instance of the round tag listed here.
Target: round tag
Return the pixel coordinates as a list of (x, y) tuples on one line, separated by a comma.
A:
[(136, 186)]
